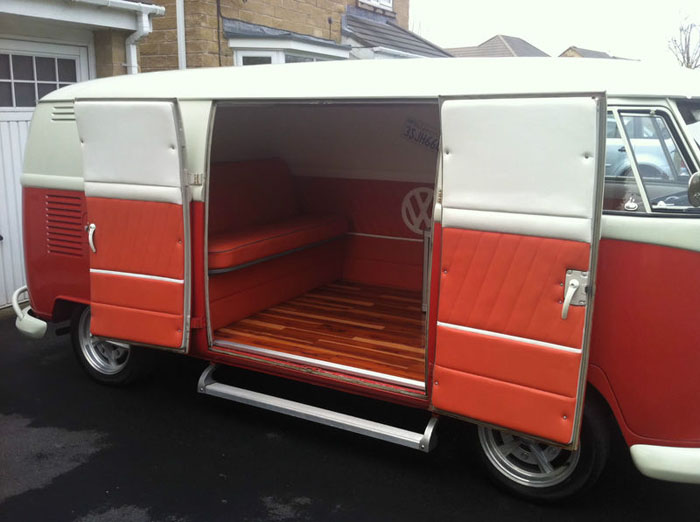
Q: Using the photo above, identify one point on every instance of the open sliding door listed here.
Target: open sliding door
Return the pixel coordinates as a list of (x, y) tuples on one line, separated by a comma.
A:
[(138, 215), (521, 184)]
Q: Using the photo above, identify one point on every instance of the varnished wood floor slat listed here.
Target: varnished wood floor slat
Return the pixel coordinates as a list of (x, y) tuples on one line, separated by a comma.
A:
[(372, 328)]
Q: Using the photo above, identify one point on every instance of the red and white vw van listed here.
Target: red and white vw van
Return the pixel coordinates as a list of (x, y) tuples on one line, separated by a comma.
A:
[(492, 240)]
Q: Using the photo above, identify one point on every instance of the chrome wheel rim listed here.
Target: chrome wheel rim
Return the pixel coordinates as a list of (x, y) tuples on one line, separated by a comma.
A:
[(526, 461), (105, 357)]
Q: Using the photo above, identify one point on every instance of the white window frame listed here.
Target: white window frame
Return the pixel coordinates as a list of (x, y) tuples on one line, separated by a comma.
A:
[(277, 49), (41, 49), (382, 4), (240, 54)]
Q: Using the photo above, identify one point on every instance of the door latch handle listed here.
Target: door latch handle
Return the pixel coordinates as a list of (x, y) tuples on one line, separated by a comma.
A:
[(91, 237), (570, 291)]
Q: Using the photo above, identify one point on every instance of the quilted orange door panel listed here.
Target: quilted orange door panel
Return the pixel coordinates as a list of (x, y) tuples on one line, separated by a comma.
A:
[(137, 272), (504, 355)]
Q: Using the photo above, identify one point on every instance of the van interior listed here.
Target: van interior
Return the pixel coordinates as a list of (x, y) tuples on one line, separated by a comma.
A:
[(318, 234)]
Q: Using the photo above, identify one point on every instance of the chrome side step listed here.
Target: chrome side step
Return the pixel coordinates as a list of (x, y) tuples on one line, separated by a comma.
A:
[(425, 441)]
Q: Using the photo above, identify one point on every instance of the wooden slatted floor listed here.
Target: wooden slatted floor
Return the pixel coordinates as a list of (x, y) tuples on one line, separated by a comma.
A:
[(372, 328)]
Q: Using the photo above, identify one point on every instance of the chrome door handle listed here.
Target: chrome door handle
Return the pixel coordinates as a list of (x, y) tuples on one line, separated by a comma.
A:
[(570, 291), (91, 237)]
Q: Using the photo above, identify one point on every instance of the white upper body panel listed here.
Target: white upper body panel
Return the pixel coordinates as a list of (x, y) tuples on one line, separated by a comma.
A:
[(523, 166), (131, 150)]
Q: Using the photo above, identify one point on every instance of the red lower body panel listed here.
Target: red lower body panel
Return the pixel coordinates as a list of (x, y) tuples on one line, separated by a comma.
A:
[(645, 342), (504, 382), (55, 273), (146, 311), (505, 284), (137, 271)]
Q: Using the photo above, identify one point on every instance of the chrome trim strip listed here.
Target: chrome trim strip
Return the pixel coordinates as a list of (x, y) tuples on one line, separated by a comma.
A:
[(378, 236), (421, 441), (140, 276), (351, 370), (510, 337)]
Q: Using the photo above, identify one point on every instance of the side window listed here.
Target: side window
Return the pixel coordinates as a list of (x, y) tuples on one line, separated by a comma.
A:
[(660, 160)]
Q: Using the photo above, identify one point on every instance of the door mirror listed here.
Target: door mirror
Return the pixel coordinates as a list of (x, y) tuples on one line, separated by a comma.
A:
[(694, 190)]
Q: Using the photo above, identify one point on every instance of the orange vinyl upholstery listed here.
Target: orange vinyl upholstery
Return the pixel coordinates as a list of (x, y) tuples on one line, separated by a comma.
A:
[(510, 286), (250, 193), (393, 255), (137, 239), (254, 214), (384, 262), (230, 250), (236, 295), (254, 217), (153, 229)]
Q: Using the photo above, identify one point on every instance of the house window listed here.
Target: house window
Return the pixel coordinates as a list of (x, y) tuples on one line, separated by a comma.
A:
[(25, 79), (284, 50), (384, 4), (255, 58), (277, 56)]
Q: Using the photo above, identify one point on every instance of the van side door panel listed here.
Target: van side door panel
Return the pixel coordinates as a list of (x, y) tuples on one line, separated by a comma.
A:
[(522, 191), (138, 218)]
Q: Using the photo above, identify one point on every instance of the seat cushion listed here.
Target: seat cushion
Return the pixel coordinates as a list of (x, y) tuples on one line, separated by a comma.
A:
[(230, 250)]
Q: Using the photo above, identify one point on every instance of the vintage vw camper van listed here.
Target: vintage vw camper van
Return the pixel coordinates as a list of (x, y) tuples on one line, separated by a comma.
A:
[(453, 235)]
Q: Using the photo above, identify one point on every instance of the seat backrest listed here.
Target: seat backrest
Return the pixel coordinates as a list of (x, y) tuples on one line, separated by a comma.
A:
[(250, 193)]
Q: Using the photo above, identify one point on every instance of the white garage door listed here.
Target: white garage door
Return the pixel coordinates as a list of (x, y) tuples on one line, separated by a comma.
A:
[(28, 71)]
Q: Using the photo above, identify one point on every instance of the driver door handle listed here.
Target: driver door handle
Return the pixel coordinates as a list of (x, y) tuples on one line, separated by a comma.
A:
[(91, 237), (570, 291)]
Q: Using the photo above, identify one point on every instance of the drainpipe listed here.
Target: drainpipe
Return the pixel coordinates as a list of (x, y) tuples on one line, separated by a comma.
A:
[(143, 14), (143, 27), (181, 42)]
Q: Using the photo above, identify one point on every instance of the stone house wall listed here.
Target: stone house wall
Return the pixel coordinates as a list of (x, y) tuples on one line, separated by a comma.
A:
[(206, 46)]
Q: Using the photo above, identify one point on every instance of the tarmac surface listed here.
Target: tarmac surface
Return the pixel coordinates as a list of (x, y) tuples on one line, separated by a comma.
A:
[(71, 449)]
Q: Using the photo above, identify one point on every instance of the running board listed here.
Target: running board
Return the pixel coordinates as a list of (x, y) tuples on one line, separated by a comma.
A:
[(425, 441)]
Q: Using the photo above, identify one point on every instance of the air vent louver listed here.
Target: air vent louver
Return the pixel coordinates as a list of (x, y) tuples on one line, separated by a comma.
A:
[(64, 228), (63, 112)]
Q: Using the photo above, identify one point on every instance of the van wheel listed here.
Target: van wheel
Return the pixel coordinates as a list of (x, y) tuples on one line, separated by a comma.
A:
[(545, 473), (107, 362)]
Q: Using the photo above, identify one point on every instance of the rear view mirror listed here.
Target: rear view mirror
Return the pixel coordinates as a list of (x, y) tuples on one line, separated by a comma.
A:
[(694, 190)]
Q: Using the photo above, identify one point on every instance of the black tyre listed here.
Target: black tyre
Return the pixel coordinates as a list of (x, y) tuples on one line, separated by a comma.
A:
[(544, 473), (115, 364)]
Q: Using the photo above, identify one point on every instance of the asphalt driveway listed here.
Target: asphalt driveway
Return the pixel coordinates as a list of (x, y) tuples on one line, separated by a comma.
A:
[(73, 450)]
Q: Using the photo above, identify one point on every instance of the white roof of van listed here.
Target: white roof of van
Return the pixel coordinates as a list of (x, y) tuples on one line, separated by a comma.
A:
[(406, 78)]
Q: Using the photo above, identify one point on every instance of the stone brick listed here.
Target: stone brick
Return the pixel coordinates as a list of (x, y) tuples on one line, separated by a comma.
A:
[(288, 16), (257, 18), (110, 52), (401, 8)]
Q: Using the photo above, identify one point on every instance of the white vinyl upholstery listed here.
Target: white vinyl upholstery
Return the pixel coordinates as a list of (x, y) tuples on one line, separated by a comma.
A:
[(522, 166), (131, 150)]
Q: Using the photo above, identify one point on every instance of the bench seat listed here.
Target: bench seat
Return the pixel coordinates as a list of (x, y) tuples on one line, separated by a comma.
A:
[(235, 249)]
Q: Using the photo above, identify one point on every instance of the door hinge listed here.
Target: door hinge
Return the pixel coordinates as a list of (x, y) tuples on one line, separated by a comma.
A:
[(195, 178), (197, 323)]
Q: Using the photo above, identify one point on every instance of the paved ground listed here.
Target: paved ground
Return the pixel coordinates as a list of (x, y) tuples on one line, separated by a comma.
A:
[(73, 450)]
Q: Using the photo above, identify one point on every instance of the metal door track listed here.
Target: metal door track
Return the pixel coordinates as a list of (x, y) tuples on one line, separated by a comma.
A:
[(425, 441)]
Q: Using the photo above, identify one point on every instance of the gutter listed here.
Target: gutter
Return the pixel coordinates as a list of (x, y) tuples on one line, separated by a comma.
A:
[(396, 52), (143, 13)]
